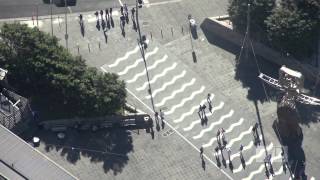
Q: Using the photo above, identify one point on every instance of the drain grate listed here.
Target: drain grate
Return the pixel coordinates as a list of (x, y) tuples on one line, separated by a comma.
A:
[(168, 133)]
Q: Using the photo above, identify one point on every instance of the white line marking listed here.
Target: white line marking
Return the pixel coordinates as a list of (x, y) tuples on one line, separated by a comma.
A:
[(164, 2), (126, 56), (135, 78), (195, 122), (173, 80), (239, 137), (173, 94), (125, 71), (252, 158), (191, 111), (193, 80), (185, 100), (235, 125), (163, 73), (260, 169), (136, 49), (245, 148), (183, 87), (212, 140), (212, 125), (120, 2), (177, 132)]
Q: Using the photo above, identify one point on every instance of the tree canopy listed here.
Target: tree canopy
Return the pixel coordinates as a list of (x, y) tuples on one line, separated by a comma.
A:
[(289, 25), (57, 82)]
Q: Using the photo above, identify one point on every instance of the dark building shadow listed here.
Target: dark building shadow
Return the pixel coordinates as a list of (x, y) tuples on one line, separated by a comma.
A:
[(247, 71), (110, 146)]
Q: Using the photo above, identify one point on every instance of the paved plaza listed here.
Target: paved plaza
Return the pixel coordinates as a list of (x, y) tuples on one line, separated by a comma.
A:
[(173, 80)]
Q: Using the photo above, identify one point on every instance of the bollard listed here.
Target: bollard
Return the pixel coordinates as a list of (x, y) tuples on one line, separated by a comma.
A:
[(89, 47), (151, 35), (161, 34), (182, 30), (99, 45), (172, 31)]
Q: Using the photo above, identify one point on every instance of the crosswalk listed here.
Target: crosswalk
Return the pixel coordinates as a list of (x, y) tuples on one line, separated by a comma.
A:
[(178, 91)]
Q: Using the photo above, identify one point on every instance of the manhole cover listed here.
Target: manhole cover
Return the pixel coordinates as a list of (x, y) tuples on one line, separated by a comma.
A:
[(168, 133)]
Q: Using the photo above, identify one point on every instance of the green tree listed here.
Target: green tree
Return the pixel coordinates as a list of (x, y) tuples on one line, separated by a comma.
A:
[(291, 30), (259, 11), (58, 83)]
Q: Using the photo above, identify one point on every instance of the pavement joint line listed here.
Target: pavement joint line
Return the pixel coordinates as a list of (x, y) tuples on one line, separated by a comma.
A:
[(184, 138)]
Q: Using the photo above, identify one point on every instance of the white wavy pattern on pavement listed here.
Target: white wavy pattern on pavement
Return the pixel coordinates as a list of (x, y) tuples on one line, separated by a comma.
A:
[(173, 94), (252, 158), (126, 56), (239, 137), (185, 100), (191, 111), (125, 71), (212, 125), (134, 79), (198, 121), (164, 72), (212, 140), (261, 168), (165, 85), (245, 148)]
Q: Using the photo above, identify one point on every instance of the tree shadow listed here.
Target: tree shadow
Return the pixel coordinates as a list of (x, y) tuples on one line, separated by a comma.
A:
[(110, 146), (246, 71)]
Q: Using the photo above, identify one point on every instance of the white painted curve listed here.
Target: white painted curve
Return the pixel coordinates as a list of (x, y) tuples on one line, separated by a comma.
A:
[(156, 63), (212, 125), (191, 111), (165, 85), (239, 137), (125, 71), (185, 100), (163, 73)]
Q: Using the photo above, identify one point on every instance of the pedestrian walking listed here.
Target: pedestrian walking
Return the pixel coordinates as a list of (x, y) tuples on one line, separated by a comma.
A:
[(125, 9), (229, 154), (133, 10), (121, 10), (218, 138), (97, 14), (161, 115), (222, 131), (107, 14), (201, 152), (101, 14), (241, 148), (110, 12), (209, 98)]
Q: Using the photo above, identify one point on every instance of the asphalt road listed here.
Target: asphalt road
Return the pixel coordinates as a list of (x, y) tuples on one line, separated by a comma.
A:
[(28, 8)]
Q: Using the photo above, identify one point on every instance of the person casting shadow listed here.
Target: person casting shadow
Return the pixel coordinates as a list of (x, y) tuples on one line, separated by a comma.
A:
[(203, 163), (105, 36), (98, 25)]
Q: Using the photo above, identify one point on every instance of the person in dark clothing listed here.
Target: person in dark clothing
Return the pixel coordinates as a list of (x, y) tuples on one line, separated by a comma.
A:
[(107, 14), (110, 11)]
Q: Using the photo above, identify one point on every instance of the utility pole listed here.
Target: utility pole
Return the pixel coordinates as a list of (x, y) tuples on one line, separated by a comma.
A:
[(37, 15), (51, 18), (248, 32), (66, 20), (143, 53)]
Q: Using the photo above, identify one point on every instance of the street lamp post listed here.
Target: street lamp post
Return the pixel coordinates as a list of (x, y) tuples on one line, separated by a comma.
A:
[(51, 18), (66, 19), (141, 44)]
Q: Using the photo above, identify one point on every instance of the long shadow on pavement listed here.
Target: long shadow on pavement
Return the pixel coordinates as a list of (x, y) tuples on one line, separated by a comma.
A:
[(246, 70), (109, 146)]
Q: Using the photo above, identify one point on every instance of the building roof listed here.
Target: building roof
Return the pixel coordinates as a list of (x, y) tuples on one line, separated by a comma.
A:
[(21, 160)]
